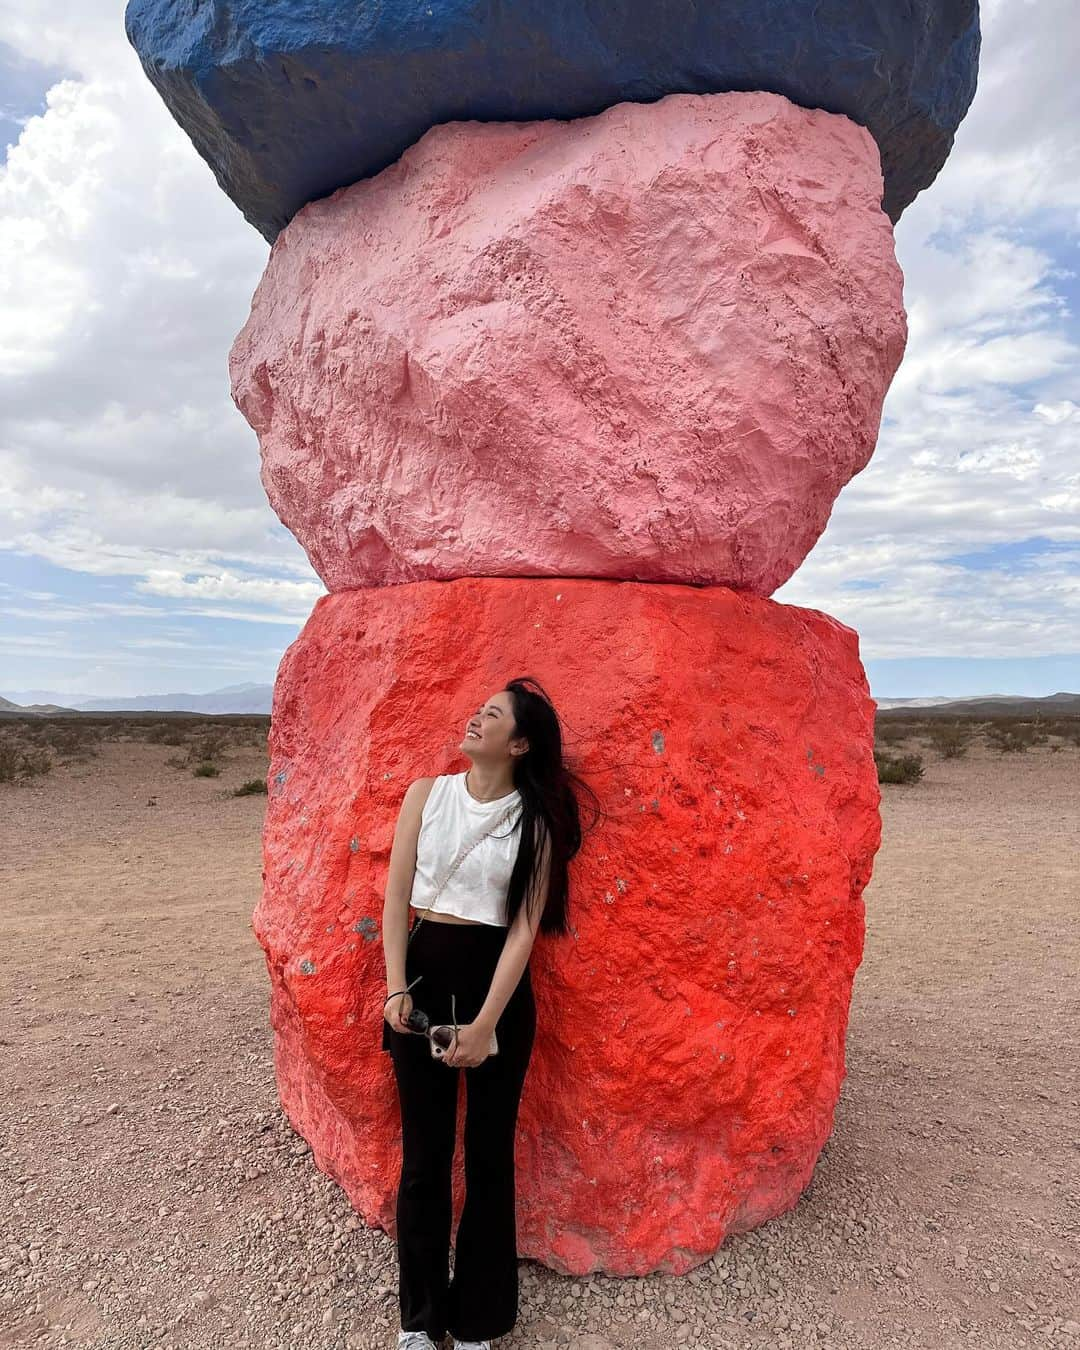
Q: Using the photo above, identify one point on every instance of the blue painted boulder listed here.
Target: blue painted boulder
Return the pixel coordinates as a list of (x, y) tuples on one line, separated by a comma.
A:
[(288, 100)]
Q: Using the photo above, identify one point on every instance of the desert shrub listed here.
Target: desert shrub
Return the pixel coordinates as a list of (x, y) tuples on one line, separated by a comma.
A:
[(69, 740), (898, 768), (176, 762), (10, 760), (36, 762), (1010, 740), (1039, 731), (892, 732), (251, 788), (208, 747), (951, 739), (18, 762), (1067, 728), (206, 770)]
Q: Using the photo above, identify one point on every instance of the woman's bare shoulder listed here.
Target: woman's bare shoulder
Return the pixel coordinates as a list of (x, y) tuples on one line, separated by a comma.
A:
[(418, 791)]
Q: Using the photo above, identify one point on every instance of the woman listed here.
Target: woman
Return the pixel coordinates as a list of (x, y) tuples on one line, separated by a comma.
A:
[(487, 850)]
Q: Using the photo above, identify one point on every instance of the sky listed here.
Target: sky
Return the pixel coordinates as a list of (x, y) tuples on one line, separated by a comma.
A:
[(138, 553)]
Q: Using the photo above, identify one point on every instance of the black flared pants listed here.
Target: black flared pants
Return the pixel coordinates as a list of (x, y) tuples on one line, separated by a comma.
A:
[(481, 1301)]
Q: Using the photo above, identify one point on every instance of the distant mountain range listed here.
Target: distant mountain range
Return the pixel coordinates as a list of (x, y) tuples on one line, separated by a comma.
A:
[(256, 698), (986, 705), (234, 698)]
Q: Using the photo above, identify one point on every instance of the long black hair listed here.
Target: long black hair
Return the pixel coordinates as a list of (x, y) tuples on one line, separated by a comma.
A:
[(551, 815)]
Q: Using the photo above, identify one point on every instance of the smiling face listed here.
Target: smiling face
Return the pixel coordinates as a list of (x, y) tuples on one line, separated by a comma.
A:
[(490, 733)]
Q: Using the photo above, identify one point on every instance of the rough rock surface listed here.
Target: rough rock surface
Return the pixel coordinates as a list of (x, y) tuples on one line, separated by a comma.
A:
[(287, 102), (649, 345), (690, 1046)]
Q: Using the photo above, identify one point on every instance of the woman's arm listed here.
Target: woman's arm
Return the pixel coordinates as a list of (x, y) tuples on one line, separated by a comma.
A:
[(399, 882)]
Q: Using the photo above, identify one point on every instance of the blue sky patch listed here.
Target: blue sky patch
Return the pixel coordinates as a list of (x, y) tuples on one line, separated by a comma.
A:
[(23, 86), (1014, 555)]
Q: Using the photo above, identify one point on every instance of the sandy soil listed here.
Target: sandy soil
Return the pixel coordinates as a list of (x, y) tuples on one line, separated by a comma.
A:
[(153, 1195)]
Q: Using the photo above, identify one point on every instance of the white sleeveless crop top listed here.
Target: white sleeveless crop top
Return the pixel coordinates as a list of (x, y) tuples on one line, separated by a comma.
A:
[(450, 818)]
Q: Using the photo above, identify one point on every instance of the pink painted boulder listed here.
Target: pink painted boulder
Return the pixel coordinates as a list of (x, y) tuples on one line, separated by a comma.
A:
[(651, 344), (690, 1035)]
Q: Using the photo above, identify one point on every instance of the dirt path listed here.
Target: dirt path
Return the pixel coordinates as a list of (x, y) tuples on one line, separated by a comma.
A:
[(153, 1195)]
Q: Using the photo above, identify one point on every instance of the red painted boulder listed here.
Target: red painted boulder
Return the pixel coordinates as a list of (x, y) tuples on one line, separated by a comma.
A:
[(690, 1043), (651, 344)]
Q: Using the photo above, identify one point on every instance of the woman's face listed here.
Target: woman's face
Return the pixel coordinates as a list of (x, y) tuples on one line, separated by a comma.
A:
[(489, 732)]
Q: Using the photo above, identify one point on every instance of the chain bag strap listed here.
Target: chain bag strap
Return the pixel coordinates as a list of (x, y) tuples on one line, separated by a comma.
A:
[(462, 854)]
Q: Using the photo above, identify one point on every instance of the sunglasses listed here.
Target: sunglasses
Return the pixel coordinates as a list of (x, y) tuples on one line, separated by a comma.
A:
[(441, 1036)]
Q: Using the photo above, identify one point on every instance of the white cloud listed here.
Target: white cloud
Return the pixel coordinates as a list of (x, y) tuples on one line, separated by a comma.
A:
[(127, 273), (1017, 153), (299, 596), (1054, 413), (978, 443), (82, 35)]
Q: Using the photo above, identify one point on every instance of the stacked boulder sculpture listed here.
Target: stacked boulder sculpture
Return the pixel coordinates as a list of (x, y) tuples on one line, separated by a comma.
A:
[(576, 321)]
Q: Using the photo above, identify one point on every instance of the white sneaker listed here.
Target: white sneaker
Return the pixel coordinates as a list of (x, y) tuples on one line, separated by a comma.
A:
[(471, 1345), (416, 1340)]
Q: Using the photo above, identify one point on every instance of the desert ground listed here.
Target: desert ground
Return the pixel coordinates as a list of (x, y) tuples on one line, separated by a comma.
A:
[(154, 1195)]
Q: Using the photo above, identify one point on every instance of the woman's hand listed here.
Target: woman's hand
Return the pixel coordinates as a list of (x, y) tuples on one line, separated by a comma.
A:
[(396, 1010), (472, 1046)]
